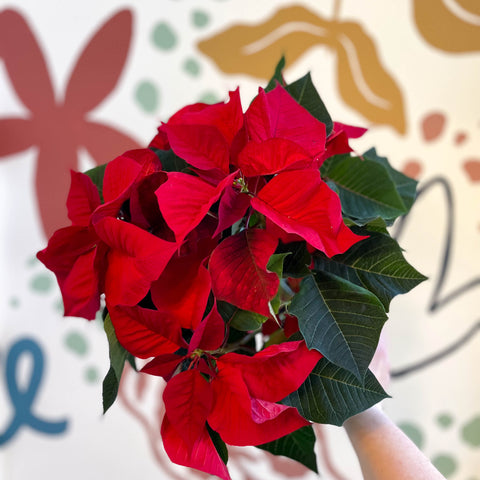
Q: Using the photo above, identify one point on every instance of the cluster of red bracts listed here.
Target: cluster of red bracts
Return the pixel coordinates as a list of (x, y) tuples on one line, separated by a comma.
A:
[(165, 247)]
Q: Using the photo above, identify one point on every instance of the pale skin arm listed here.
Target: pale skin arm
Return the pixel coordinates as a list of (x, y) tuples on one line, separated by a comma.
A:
[(383, 450)]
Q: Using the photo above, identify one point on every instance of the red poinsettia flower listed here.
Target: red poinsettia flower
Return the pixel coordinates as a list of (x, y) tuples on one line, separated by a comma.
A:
[(238, 401), (236, 395)]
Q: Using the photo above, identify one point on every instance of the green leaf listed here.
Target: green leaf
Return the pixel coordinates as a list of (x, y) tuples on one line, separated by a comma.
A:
[(96, 174), (376, 263), (298, 445), (330, 394), (365, 187), (305, 93), (296, 264), (275, 265), (219, 444), (341, 320), (118, 356), (239, 319), (277, 75), (170, 161), (406, 186)]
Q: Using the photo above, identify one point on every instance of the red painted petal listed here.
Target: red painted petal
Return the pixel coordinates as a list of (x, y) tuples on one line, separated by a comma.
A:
[(233, 415), (202, 455), (100, 64), (25, 63), (210, 333), (149, 324), (188, 399), (202, 146), (276, 371), (17, 134), (271, 156), (277, 115), (135, 260), (83, 198), (184, 200), (300, 202), (103, 142), (181, 292), (238, 270)]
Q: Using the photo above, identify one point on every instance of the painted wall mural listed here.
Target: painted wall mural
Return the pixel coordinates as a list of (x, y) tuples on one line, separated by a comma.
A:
[(80, 84)]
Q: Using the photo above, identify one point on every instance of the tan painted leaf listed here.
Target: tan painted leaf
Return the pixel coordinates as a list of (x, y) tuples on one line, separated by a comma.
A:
[(450, 25), (256, 49), (363, 81)]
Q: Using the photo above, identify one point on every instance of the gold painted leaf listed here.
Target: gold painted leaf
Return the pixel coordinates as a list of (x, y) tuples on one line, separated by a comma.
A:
[(363, 81), (290, 32), (255, 49), (450, 25)]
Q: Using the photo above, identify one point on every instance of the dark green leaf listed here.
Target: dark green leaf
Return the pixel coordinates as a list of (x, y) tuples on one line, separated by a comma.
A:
[(109, 389), (275, 265), (331, 394), (118, 355), (296, 264), (277, 75), (341, 320), (365, 187), (298, 445), (219, 444), (406, 186), (171, 162), (96, 174), (376, 263), (305, 93), (239, 319)]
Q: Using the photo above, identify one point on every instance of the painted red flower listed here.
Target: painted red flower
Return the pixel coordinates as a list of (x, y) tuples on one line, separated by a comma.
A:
[(60, 127)]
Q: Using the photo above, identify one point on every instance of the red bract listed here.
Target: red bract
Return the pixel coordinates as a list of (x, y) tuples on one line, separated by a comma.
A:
[(238, 401), (301, 202), (277, 115), (75, 254), (238, 267)]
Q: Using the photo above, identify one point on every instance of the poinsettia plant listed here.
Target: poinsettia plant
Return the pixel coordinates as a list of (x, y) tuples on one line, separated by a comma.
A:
[(244, 257)]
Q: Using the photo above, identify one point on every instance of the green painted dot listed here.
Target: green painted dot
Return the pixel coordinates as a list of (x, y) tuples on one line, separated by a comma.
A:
[(444, 420), (32, 261), (413, 432), (209, 97), (76, 343), (192, 67), (471, 432), (58, 305), (147, 96), (14, 302), (91, 375), (164, 37), (200, 18), (41, 283), (445, 464)]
